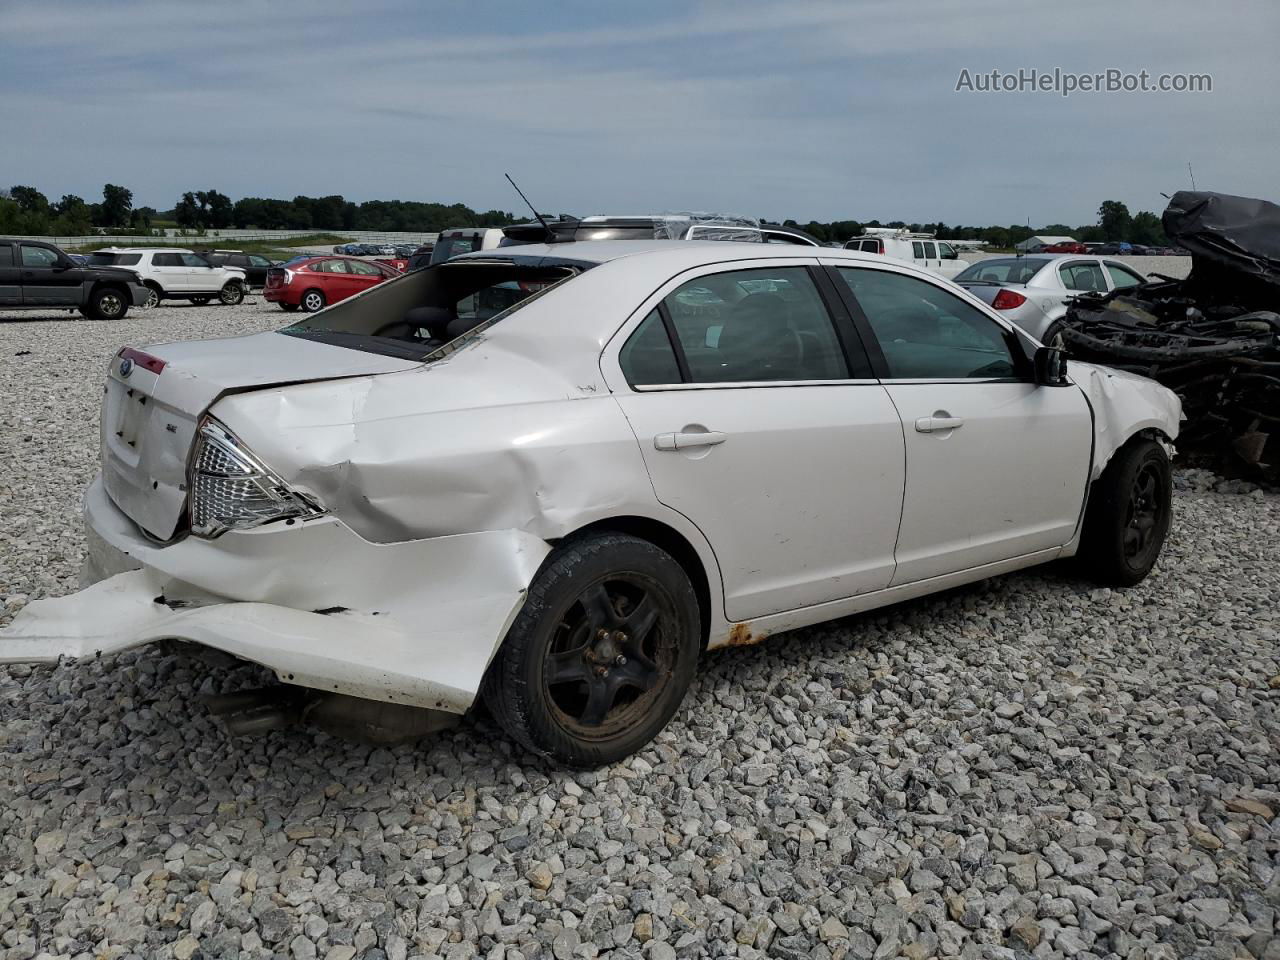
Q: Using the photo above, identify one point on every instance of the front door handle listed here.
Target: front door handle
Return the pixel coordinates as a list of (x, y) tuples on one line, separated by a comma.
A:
[(684, 441), (938, 422)]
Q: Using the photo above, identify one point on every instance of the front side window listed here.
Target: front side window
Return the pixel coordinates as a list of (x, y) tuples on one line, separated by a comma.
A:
[(38, 256), (259, 261), (926, 333), (647, 358), (755, 325), (6, 255), (362, 269), (946, 252), (193, 260), (1084, 277), (1122, 277)]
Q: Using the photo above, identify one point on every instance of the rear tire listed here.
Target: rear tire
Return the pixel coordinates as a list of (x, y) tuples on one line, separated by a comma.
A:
[(601, 654), (312, 301), (1053, 336), (154, 298), (1127, 521), (108, 303), (231, 294)]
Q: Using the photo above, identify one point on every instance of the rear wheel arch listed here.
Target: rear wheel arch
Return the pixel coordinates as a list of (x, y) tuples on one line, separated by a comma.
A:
[(671, 541)]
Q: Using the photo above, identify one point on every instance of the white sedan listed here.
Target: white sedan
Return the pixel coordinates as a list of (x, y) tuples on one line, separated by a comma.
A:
[(551, 475)]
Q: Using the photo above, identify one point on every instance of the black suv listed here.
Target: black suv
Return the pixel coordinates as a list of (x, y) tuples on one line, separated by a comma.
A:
[(38, 276), (255, 267)]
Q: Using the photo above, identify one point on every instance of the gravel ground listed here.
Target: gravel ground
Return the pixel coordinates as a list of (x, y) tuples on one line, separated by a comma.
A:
[(1025, 767)]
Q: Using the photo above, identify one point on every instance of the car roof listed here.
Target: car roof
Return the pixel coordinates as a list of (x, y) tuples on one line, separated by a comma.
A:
[(683, 254), (144, 250)]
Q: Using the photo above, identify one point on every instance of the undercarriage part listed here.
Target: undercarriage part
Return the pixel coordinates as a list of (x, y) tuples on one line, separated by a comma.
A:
[(250, 712)]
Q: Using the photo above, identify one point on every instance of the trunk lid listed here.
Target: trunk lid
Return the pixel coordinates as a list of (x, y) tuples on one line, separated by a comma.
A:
[(154, 399)]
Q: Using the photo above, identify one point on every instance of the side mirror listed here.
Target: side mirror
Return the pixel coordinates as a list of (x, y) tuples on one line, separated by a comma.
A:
[(1050, 365)]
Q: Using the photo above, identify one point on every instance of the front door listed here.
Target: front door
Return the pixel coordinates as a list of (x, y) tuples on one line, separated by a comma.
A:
[(758, 420), (47, 278), (997, 466)]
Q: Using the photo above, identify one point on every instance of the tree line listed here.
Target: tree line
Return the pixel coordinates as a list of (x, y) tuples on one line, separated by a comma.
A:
[(25, 210), (1115, 223)]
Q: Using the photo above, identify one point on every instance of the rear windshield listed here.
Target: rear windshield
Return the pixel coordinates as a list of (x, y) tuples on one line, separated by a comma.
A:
[(1012, 270), (419, 315), (114, 259)]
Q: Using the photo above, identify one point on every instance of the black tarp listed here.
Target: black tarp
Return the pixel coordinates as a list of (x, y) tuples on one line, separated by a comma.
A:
[(1231, 234)]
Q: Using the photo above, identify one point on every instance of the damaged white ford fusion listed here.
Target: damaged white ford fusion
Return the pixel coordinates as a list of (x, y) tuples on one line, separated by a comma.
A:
[(550, 476)]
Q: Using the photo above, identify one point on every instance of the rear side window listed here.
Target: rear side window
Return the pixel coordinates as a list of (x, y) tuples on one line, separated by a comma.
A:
[(930, 251), (755, 325), (1084, 277), (926, 333), (647, 358), (6, 255), (329, 266), (166, 260), (917, 249)]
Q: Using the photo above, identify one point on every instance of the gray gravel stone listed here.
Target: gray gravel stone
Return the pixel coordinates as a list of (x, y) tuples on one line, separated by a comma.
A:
[(1028, 766)]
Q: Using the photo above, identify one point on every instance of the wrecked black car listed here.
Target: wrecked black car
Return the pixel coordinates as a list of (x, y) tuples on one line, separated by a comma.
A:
[(1213, 338)]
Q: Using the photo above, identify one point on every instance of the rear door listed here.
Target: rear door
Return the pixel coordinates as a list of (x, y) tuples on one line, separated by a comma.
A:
[(997, 466), (47, 277), (759, 420), (10, 276), (170, 272)]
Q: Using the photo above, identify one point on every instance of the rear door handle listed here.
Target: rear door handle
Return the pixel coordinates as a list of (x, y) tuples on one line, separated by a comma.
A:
[(684, 441), (935, 424)]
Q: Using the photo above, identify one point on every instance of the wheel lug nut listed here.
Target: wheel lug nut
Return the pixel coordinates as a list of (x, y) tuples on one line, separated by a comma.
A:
[(620, 661)]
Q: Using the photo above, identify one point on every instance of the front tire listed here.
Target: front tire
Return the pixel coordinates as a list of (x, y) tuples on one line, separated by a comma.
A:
[(1130, 509), (312, 301), (288, 307), (108, 303), (601, 654), (231, 294), (1053, 336)]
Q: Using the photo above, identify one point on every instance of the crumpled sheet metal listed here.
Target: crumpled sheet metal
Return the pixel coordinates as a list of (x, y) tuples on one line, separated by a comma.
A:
[(414, 622), (430, 454), (1124, 405)]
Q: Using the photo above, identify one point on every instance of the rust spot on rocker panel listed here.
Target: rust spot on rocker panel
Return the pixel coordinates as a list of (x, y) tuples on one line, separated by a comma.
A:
[(740, 636)]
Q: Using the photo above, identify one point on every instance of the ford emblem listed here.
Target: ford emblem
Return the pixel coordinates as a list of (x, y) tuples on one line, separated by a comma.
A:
[(126, 368)]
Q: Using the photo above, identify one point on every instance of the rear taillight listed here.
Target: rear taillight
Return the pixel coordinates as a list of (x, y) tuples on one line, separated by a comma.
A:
[(231, 489), (137, 358), (1007, 300)]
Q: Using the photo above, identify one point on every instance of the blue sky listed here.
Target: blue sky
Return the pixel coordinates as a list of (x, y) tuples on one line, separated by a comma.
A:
[(825, 110)]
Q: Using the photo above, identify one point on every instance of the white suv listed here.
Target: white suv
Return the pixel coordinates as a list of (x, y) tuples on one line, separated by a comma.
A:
[(174, 274), (918, 248)]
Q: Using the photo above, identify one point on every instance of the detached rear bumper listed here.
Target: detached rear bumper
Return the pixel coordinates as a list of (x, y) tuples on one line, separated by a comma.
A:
[(415, 622)]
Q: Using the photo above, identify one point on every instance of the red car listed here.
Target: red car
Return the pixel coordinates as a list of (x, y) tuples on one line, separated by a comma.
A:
[(1066, 246), (313, 283)]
